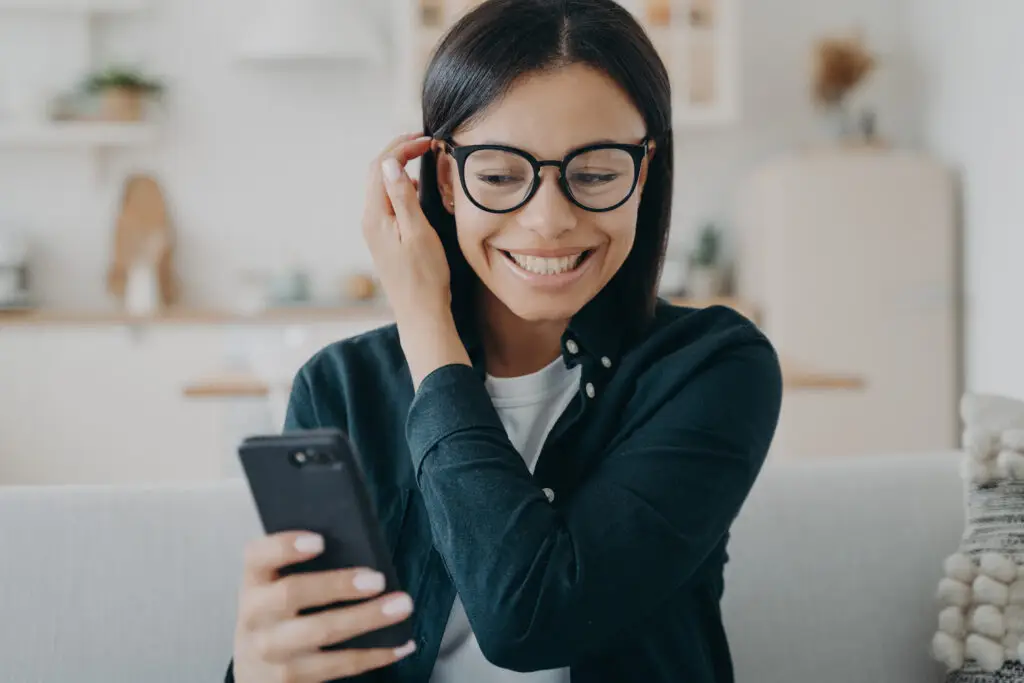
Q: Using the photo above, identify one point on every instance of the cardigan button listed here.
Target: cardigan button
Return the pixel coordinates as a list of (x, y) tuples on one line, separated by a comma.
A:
[(550, 495), (591, 391), (606, 361), (572, 346)]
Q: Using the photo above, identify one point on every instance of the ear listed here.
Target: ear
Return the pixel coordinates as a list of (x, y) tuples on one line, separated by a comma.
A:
[(446, 172), (645, 166)]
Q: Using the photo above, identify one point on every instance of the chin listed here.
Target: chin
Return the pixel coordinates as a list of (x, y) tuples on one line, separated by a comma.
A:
[(541, 307)]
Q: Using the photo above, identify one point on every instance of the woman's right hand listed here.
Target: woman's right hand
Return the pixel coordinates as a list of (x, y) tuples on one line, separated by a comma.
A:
[(273, 643)]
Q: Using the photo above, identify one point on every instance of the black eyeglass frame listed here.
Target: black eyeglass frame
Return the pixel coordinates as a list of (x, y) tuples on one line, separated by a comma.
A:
[(461, 152)]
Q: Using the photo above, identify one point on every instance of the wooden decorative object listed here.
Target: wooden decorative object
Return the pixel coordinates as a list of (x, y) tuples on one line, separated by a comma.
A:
[(142, 223), (360, 287)]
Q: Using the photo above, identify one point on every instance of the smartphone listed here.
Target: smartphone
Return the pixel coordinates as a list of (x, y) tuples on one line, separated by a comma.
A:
[(311, 481)]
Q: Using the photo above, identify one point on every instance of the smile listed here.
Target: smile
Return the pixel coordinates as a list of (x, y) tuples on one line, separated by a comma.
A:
[(540, 265)]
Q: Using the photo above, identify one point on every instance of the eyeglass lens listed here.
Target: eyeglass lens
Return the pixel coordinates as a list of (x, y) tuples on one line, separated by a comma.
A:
[(500, 180)]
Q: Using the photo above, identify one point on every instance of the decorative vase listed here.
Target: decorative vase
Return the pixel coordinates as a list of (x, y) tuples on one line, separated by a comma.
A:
[(122, 104), (142, 291), (673, 278), (704, 282), (837, 123)]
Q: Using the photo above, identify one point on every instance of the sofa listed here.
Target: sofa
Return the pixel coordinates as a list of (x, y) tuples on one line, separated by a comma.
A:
[(832, 574)]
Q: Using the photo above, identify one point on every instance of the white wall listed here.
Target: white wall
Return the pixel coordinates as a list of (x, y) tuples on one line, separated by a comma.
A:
[(263, 164), (973, 93)]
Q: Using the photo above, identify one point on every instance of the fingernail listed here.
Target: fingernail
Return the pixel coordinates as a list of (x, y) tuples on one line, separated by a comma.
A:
[(369, 581), (399, 605), (309, 543), (406, 649), (392, 171)]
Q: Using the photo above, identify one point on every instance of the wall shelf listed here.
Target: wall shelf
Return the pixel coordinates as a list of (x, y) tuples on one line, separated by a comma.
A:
[(76, 135), (73, 6), (698, 41)]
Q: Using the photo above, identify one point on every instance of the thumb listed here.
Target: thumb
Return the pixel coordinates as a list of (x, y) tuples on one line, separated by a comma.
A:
[(402, 194)]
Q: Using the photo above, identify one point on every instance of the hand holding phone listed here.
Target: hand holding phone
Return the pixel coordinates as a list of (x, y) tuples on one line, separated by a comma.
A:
[(319, 597), (273, 642)]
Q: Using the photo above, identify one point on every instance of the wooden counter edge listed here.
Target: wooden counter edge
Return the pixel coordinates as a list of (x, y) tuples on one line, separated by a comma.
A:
[(252, 387), (298, 315)]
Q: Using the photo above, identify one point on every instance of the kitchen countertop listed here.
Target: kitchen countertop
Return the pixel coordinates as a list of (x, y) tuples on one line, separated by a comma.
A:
[(354, 312), (795, 375), (240, 386)]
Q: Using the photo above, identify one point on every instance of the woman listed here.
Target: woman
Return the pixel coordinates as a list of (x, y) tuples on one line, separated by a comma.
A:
[(556, 456)]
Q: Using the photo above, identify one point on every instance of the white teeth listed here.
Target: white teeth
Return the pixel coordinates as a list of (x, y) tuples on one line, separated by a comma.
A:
[(547, 266)]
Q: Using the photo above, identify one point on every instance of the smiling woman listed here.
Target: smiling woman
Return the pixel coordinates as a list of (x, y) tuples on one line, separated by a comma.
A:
[(559, 453)]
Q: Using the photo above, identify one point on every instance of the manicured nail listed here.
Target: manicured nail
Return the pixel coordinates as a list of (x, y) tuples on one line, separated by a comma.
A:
[(309, 543), (369, 582), (392, 171), (406, 649), (400, 605)]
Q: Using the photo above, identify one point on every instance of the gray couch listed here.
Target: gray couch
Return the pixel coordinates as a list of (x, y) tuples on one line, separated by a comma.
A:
[(833, 569)]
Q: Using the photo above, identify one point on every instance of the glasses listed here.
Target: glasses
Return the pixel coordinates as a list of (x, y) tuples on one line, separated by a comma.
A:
[(499, 179)]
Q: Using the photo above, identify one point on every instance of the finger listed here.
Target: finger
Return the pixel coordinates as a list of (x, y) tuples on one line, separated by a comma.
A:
[(403, 196), (403, 152), (399, 190), (284, 598), (411, 149), (415, 184), (397, 142), (267, 555), (329, 666), (310, 632)]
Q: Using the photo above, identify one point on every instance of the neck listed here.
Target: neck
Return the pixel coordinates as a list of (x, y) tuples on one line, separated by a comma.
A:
[(515, 347)]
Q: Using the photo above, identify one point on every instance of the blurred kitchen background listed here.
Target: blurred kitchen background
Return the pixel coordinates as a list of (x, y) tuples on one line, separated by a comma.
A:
[(181, 183)]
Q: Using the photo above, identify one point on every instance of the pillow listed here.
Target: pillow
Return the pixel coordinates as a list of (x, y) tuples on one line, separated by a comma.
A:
[(981, 623)]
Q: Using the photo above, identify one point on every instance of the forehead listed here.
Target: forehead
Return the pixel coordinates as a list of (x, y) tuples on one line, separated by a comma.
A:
[(552, 112)]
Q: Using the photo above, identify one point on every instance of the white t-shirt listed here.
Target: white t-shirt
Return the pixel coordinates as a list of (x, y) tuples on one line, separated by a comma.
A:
[(528, 406)]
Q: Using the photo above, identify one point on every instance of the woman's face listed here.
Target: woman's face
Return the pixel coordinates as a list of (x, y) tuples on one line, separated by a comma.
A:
[(547, 259)]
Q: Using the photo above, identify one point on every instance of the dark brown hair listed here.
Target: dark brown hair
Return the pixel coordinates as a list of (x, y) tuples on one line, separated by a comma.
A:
[(499, 42)]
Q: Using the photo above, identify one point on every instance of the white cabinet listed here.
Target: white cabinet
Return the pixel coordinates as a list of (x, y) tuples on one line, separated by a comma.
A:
[(104, 403), (851, 257)]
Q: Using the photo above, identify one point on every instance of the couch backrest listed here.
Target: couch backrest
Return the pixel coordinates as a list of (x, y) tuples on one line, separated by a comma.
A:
[(834, 566), (120, 583), (833, 570)]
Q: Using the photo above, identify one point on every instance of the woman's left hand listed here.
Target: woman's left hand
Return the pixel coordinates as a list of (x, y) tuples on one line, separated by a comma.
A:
[(406, 250)]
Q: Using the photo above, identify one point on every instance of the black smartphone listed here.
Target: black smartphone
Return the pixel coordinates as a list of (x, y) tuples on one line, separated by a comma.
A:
[(312, 481)]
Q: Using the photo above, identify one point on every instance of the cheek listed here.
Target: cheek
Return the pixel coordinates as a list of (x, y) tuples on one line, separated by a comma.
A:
[(619, 229), (474, 228)]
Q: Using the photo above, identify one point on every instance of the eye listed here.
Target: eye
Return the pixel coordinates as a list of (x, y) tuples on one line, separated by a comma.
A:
[(592, 177), (499, 179)]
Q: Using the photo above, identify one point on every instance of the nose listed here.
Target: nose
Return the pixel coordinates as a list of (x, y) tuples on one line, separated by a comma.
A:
[(549, 213)]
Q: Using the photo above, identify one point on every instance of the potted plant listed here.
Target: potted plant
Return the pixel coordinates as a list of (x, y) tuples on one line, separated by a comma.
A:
[(122, 92), (705, 274)]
